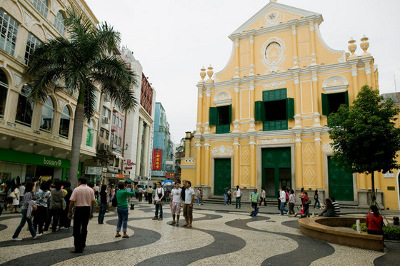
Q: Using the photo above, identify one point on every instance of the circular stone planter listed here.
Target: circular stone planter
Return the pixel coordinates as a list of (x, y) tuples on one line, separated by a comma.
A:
[(337, 230)]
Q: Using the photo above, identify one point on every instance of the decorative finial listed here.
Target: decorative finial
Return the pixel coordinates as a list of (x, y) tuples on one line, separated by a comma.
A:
[(274, 1), (352, 46), (202, 74), (364, 43), (210, 72)]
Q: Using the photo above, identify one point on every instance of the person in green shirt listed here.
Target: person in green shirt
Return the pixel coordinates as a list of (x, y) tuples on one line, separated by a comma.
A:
[(254, 200), (122, 208)]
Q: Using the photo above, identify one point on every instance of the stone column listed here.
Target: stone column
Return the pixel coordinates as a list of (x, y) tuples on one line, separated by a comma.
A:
[(139, 147), (252, 126), (313, 49), (253, 164), (294, 40), (252, 67), (199, 112), (236, 161), (354, 73), (320, 174), (237, 61), (146, 151), (298, 162), (297, 101), (207, 116), (198, 163), (206, 175)]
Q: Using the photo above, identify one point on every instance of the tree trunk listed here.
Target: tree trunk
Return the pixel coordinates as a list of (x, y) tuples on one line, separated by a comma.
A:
[(76, 141), (373, 197)]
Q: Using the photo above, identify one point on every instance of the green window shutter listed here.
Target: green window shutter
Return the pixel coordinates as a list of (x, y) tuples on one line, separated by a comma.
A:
[(230, 113), (290, 108), (346, 98), (213, 116), (274, 95), (259, 111), (325, 104)]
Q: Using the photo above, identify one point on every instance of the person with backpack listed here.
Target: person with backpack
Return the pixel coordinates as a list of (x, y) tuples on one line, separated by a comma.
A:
[(316, 198)]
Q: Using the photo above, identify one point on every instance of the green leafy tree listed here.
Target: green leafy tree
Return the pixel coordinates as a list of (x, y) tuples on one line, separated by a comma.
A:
[(364, 135), (79, 64)]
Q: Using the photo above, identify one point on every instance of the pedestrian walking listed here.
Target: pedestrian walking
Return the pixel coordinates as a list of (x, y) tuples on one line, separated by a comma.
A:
[(238, 194), (83, 199), (316, 198), (254, 196), (262, 198), (306, 205), (175, 203), (15, 199), (122, 209), (56, 204), (103, 204), (292, 202), (150, 194), (188, 209), (229, 202), (159, 195), (26, 212), (226, 195), (40, 215), (65, 223), (183, 195), (198, 192), (282, 197)]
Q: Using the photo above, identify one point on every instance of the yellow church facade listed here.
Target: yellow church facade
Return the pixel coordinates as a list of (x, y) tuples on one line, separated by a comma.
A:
[(262, 120)]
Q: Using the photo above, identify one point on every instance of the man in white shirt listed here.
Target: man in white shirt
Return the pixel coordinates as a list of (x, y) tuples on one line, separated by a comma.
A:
[(188, 207), (159, 195), (238, 194), (282, 197), (175, 203)]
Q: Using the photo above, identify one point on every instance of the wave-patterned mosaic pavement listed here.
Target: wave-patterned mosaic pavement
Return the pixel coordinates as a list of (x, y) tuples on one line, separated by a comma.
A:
[(216, 238)]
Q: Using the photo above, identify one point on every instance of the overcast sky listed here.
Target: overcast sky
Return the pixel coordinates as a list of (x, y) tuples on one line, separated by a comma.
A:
[(173, 39)]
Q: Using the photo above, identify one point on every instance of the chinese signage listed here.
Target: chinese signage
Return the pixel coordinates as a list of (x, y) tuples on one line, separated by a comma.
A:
[(92, 170), (157, 159), (169, 174)]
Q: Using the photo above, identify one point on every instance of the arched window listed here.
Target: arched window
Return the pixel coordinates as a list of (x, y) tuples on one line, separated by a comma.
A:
[(90, 134), (59, 22), (64, 122), (3, 92), (42, 6), (24, 107), (46, 121), (31, 44)]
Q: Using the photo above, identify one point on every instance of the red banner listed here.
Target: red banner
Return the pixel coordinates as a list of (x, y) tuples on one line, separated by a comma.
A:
[(169, 174), (157, 159)]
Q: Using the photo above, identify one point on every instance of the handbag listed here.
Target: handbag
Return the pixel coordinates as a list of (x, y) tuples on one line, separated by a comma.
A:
[(12, 195), (302, 211)]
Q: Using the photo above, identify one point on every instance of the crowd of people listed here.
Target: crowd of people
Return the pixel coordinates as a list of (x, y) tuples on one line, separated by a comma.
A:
[(52, 204)]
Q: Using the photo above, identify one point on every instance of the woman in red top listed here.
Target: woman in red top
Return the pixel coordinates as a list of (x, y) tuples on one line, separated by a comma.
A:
[(374, 221)]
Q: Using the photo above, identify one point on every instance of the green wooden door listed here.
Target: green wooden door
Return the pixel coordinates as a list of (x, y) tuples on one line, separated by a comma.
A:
[(222, 175), (340, 182), (276, 165)]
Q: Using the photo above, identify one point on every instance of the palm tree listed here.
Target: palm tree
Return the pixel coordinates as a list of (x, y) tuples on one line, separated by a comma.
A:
[(80, 63)]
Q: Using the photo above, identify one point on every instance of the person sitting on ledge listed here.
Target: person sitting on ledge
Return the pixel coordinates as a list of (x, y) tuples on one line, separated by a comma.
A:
[(329, 209), (374, 221)]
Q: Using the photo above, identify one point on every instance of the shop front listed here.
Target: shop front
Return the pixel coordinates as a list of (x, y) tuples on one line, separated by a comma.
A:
[(25, 166)]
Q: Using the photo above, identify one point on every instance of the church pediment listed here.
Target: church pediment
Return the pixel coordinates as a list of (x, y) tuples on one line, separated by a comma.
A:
[(274, 14)]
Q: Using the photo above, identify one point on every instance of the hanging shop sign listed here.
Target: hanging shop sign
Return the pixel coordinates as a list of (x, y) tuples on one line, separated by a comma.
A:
[(157, 155)]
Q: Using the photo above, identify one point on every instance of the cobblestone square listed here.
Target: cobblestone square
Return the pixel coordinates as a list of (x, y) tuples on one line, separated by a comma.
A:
[(220, 236)]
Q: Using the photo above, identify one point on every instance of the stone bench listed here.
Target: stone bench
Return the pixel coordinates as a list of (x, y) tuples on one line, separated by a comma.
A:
[(338, 230)]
